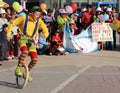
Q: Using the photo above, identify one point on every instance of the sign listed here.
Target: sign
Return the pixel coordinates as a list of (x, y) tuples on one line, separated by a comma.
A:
[(102, 32)]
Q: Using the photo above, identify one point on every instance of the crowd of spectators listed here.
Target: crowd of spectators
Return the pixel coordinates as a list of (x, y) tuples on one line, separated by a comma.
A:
[(55, 20)]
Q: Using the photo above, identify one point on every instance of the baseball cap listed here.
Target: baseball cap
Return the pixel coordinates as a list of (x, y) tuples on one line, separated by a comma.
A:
[(35, 8)]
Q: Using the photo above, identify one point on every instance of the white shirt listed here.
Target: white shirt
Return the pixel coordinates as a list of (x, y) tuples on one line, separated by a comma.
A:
[(15, 30), (2, 22)]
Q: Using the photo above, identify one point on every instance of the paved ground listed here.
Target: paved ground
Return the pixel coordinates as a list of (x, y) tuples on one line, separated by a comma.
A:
[(104, 79), (97, 72)]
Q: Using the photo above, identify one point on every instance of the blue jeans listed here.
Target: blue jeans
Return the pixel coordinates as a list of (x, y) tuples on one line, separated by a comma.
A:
[(3, 50), (108, 45), (42, 50)]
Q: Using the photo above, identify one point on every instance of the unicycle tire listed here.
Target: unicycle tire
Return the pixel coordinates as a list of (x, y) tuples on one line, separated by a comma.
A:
[(22, 81)]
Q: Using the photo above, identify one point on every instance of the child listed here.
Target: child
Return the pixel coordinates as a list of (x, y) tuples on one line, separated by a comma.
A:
[(15, 44), (14, 38), (43, 44), (10, 52), (73, 28), (56, 39), (56, 45)]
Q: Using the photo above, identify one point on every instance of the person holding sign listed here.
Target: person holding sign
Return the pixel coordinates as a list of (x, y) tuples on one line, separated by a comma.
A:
[(98, 17), (109, 12)]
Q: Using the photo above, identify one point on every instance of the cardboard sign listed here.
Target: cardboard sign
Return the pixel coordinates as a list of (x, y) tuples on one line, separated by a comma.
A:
[(102, 32)]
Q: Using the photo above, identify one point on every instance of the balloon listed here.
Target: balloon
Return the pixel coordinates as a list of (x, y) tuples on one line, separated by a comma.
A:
[(3, 5), (94, 17), (100, 18), (21, 14), (43, 6), (20, 9), (105, 17), (6, 5), (69, 9), (16, 6), (74, 6)]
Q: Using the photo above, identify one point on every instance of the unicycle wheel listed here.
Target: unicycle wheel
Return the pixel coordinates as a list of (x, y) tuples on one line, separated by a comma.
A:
[(22, 81)]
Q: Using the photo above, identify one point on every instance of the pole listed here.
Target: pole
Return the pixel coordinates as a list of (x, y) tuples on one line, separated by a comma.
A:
[(118, 6), (58, 2), (24, 4)]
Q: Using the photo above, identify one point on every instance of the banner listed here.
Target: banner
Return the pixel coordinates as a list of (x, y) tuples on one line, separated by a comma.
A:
[(82, 42), (102, 32), (67, 43)]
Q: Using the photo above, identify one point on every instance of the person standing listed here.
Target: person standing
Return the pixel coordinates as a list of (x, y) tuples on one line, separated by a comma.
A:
[(97, 18), (110, 20), (87, 17), (62, 18), (3, 44), (115, 15), (3, 19)]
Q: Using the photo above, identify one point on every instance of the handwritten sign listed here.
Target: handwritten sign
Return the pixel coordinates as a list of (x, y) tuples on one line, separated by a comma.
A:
[(102, 32)]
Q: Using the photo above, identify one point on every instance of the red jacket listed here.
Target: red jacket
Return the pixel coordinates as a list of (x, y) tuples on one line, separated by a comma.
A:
[(87, 19), (56, 39), (109, 20)]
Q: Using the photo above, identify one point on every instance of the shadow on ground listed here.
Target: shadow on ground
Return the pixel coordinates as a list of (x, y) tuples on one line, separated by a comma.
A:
[(8, 84)]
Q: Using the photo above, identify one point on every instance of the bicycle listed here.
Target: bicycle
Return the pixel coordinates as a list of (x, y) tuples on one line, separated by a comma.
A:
[(22, 81)]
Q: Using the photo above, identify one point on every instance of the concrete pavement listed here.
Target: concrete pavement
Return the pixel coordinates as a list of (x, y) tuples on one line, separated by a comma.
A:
[(73, 73)]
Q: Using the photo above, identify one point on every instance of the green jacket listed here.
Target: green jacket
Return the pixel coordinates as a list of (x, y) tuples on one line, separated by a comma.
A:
[(61, 22)]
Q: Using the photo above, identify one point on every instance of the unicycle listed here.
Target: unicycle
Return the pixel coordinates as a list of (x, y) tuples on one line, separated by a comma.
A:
[(22, 81)]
